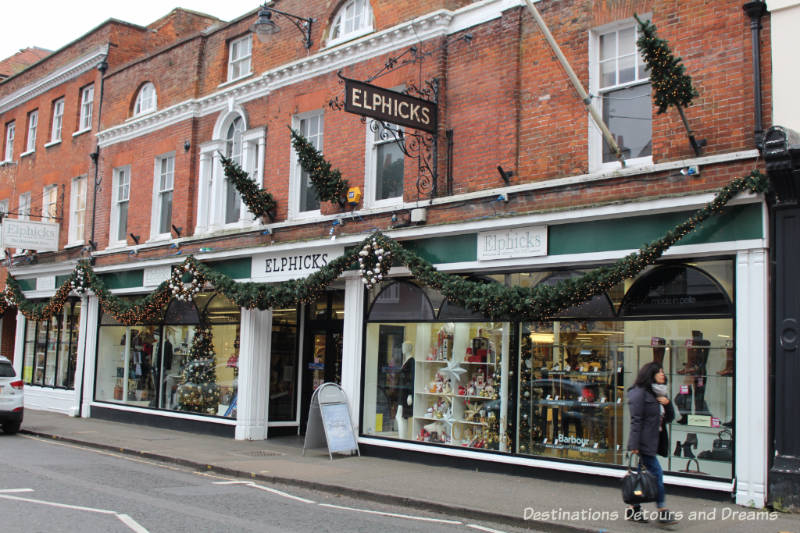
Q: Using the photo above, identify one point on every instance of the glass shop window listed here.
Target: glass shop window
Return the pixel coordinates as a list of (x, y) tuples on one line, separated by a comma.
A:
[(574, 371), (51, 348), (188, 361), (440, 378), (283, 366)]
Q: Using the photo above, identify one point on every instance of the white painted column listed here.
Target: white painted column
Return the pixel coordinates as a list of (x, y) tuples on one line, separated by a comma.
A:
[(351, 343), (19, 344), (254, 362), (217, 201), (203, 192), (752, 378), (87, 350)]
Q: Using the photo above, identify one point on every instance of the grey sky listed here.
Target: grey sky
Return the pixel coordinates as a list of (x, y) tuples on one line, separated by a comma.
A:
[(52, 24)]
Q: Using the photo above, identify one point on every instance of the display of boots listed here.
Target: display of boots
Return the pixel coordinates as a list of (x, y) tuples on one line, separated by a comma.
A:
[(690, 367), (678, 447), (728, 370), (688, 444)]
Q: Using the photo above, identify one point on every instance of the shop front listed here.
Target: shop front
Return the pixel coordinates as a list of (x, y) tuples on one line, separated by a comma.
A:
[(442, 379)]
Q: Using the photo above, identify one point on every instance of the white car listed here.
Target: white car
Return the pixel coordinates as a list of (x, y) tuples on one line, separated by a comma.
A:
[(10, 397)]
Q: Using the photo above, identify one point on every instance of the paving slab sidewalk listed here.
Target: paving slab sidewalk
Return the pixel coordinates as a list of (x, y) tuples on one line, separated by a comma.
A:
[(586, 505)]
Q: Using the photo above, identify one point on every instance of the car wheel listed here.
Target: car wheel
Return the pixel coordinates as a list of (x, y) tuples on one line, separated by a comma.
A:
[(11, 427)]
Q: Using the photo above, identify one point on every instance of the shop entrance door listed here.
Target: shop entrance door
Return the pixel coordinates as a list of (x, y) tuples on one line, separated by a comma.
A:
[(322, 346)]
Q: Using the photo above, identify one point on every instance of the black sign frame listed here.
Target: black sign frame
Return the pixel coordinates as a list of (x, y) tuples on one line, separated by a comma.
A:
[(396, 108)]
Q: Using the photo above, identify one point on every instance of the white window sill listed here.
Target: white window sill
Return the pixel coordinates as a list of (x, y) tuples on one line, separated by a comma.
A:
[(162, 237), (117, 245), (25, 154), (53, 143), (73, 244), (231, 82), (349, 37), (387, 202), (81, 132), (634, 162), (143, 113), (6, 162), (305, 215)]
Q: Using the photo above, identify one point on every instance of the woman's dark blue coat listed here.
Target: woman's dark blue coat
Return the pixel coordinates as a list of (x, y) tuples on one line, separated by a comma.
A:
[(645, 421)]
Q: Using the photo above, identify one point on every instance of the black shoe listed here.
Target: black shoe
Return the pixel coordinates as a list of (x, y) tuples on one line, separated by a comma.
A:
[(687, 450), (635, 514), (667, 518)]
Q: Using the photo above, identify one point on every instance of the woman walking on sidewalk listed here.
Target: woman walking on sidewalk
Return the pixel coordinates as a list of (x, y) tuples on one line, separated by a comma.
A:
[(650, 410)]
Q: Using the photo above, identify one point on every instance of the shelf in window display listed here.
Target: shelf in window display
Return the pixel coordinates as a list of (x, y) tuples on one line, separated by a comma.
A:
[(590, 373), (571, 447), (575, 403)]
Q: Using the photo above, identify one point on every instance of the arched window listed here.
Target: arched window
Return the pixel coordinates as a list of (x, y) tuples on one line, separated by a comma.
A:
[(233, 150), (353, 20), (219, 204), (145, 100)]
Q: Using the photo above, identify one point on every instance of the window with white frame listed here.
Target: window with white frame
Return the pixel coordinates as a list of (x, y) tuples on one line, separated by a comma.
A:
[(303, 195), (239, 53), (58, 120), (77, 210), (164, 183), (145, 100), (33, 125), (120, 199), (9, 151), (353, 20), (24, 210), (49, 203), (385, 164), (233, 150), (621, 82), (219, 204), (87, 99)]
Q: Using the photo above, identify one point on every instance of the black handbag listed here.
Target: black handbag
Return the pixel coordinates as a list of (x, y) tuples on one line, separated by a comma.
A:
[(640, 485), (723, 443)]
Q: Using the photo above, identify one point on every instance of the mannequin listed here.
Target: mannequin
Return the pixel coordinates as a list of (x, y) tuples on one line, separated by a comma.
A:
[(405, 407)]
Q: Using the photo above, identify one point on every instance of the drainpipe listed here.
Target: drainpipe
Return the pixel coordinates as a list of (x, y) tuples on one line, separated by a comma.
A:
[(102, 67), (755, 10)]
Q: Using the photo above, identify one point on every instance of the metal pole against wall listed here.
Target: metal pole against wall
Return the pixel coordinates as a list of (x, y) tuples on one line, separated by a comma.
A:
[(587, 102)]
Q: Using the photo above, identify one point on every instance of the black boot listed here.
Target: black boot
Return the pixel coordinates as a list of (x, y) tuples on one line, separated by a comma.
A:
[(677, 452), (688, 444)]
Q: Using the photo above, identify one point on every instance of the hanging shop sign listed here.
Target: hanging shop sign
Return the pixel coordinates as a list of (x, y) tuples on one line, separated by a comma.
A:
[(293, 264), (30, 235), (529, 241), (389, 106)]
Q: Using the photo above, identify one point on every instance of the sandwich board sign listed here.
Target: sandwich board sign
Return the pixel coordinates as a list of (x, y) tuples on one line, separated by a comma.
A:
[(329, 422)]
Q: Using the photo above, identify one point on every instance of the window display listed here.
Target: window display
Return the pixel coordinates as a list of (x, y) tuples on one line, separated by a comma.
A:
[(51, 348), (186, 362), (558, 389)]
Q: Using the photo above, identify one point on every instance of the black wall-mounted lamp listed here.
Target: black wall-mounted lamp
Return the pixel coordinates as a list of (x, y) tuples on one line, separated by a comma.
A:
[(134, 237), (177, 230), (265, 26), (186, 145), (505, 174), (92, 244)]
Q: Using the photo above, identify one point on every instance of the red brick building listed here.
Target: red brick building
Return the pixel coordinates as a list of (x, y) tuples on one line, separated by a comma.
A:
[(515, 159)]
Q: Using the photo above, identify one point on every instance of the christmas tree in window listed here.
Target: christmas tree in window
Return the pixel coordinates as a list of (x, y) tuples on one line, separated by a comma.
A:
[(199, 392)]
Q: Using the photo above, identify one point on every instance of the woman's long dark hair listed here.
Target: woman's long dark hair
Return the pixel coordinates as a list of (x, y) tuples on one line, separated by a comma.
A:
[(647, 375)]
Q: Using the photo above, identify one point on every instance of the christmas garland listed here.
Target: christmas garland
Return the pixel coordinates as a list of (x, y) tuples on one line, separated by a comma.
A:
[(330, 185), (541, 302), (671, 84), (258, 201)]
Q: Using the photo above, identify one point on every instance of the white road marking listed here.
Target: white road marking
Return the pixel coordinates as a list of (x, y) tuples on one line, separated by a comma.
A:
[(6, 491), (266, 489), (125, 519), (131, 523), (482, 528), (393, 515)]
